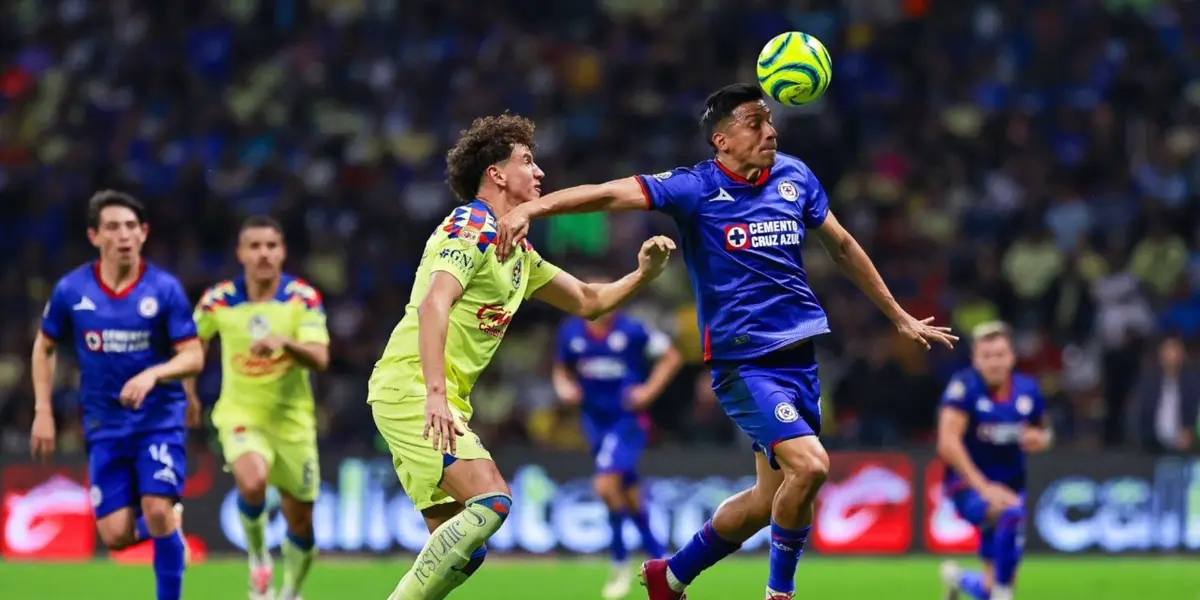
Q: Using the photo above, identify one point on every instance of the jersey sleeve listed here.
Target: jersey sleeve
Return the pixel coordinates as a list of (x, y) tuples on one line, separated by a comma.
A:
[(816, 202), (1039, 405), (676, 192), (56, 318), (955, 395), (541, 271), (205, 314), (311, 325), (178, 313), (458, 247)]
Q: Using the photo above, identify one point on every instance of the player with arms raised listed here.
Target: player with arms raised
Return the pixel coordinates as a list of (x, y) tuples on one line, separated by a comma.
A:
[(462, 302), (129, 325), (273, 336), (614, 368), (990, 417), (743, 217)]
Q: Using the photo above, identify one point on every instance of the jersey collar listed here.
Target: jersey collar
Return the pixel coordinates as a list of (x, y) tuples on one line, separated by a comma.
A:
[(114, 294), (763, 175), (481, 205)]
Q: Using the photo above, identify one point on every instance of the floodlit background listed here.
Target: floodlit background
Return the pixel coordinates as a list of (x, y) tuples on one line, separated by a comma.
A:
[(1031, 161)]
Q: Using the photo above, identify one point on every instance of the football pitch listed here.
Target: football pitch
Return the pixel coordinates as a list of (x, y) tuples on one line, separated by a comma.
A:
[(549, 579)]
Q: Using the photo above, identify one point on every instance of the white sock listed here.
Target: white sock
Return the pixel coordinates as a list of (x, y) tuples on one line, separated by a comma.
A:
[(673, 582)]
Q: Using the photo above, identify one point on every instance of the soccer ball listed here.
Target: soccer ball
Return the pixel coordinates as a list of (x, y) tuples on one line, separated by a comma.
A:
[(794, 68)]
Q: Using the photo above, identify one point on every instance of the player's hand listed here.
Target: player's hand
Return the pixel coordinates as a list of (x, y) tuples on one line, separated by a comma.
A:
[(638, 398), (267, 347), (924, 333), (510, 230), (999, 497), (136, 389), (194, 412), (441, 425), (41, 439), (570, 395), (655, 253), (1034, 439)]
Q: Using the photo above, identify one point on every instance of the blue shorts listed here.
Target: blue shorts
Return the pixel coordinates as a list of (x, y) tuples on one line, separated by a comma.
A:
[(616, 447), (123, 470), (772, 398), (972, 508)]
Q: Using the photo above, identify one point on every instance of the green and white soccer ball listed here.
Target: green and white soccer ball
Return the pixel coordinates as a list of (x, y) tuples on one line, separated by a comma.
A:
[(794, 68)]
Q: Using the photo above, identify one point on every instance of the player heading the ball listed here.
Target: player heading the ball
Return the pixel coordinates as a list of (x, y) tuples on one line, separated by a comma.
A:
[(463, 299), (743, 217)]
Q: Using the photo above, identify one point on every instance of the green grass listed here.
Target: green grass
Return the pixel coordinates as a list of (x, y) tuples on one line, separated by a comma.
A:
[(548, 579)]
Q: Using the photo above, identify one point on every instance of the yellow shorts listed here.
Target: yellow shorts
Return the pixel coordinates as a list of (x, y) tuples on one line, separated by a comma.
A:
[(292, 461), (401, 422)]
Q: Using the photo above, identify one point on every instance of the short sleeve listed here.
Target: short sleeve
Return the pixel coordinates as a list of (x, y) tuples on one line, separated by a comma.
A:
[(955, 395), (676, 192), (311, 325), (56, 317), (541, 271), (205, 315), (456, 249), (816, 202), (180, 326), (1039, 406), (563, 352)]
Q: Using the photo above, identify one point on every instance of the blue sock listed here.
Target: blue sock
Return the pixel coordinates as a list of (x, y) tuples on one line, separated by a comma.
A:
[(252, 511), (143, 532), (971, 584), (653, 547), (477, 558), (786, 547), (704, 550), (1008, 549), (616, 521), (168, 566)]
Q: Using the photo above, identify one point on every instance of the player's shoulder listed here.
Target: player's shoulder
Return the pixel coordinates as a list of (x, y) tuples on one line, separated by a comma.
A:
[(1024, 384), (962, 382), (295, 289), (224, 294), (77, 278), (787, 165), (160, 276), (472, 223)]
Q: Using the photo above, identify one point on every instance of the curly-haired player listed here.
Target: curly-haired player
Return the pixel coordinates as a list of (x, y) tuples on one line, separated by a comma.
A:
[(462, 301)]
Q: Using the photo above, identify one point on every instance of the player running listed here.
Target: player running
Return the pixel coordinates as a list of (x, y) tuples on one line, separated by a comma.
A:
[(990, 418), (129, 325), (614, 368), (462, 302), (743, 217), (273, 335)]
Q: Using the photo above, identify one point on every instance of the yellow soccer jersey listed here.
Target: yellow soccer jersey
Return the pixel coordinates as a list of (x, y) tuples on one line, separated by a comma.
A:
[(492, 291), (274, 392)]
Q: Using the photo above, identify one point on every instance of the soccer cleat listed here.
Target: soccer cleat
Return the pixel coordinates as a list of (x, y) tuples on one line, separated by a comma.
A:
[(654, 579), (781, 596), (261, 577), (1000, 592), (951, 573), (619, 582)]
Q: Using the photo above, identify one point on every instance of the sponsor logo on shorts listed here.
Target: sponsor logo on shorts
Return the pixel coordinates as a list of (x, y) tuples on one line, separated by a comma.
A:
[(494, 319), (786, 413)]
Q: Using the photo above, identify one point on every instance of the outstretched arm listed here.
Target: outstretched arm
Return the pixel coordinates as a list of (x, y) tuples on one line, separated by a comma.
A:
[(618, 194), (590, 300), (854, 262)]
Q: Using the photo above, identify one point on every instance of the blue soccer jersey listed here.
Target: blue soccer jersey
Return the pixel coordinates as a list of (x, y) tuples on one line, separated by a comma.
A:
[(742, 242), (116, 336), (607, 365), (995, 422)]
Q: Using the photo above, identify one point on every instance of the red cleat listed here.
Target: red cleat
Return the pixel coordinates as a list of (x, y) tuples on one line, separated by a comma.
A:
[(654, 579)]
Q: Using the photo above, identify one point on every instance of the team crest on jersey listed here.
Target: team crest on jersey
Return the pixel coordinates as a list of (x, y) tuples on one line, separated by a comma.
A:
[(956, 390), (788, 191), (786, 413), (516, 278), (468, 236), (93, 340), (258, 327), (1024, 405), (148, 307), (618, 341)]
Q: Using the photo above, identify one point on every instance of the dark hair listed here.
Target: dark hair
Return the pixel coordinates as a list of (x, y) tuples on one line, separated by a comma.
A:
[(106, 198), (720, 104), (263, 221), (490, 140)]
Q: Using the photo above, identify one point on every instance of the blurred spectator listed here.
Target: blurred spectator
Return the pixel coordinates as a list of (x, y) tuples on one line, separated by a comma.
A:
[(1167, 400)]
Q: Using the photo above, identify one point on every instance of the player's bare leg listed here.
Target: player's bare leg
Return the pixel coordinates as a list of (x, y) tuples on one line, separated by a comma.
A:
[(118, 531), (299, 549), (456, 548), (805, 466), (737, 519), (610, 487), (162, 523), (250, 475)]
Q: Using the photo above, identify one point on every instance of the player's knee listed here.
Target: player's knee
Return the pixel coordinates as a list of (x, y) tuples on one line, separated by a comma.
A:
[(804, 467), (498, 504), (159, 514), (116, 536), (252, 489), (608, 487)]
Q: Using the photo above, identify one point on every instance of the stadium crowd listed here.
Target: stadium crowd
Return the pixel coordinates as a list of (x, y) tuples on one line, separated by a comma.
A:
[(1034, 162)]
